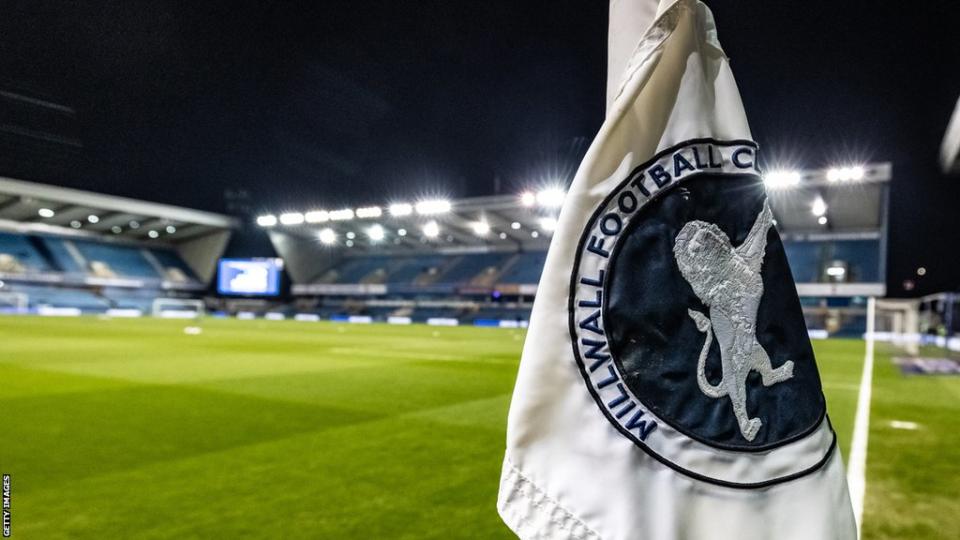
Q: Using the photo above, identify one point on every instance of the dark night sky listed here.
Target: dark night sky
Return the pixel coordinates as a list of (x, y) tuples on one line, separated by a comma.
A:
[(322, 103)]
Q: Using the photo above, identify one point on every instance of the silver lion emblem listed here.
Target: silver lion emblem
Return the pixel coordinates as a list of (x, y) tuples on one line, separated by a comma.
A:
[(727, 280)]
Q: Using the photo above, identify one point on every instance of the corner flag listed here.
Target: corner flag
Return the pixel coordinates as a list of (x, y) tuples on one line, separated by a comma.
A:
[(668, 389)]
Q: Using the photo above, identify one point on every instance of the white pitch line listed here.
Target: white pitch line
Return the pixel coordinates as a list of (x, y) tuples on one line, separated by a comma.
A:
[(857, 468)]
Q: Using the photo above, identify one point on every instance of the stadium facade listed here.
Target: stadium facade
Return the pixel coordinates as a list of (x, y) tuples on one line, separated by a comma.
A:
[(469, 261)]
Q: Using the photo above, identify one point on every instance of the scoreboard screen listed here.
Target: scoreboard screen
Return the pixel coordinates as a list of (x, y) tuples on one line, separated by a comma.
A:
[(249, 277)]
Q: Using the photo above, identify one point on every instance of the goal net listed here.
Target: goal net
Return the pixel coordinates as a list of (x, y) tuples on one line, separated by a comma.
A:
[(14, 302), (177, 308)]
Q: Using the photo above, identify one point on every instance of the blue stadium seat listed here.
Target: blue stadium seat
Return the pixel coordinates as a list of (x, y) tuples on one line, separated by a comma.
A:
[(526, 269), (62, 297), (19, 247), (468, 266), (61, 256), (169, 259), (125, 261)]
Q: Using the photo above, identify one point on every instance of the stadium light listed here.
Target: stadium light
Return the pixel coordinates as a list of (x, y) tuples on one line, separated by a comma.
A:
[(534, 234), (528, 199), (548, 224), (46, 213), (171, 229), (291, 218), (348, 243), (153, 234), (433, 206), (116, 229), (369, 212), (317, 216), (76, 224), (268, 220), (480, 228), (503, 236), (136, 224), (401, 209), (351, 235), (781, 179), (844, 174), (515, 225), (376, 233), (819, 207), (822, 220), (327, 236), (551, 197), (341, 215), (431, 229), (93, 218), (836, 271), (401, 232)]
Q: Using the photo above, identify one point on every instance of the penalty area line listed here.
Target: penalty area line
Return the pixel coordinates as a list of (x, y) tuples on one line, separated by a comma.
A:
[(857, 467)]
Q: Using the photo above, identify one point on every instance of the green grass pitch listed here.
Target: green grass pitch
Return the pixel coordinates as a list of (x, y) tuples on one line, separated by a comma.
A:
[(283, 429)]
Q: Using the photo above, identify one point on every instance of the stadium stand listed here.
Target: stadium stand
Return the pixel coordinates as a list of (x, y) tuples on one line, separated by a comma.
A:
[(471, 261), (92, 253), (483, 258)]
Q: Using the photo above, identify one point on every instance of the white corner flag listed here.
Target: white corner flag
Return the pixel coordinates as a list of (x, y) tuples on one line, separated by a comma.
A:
[(668, 389)]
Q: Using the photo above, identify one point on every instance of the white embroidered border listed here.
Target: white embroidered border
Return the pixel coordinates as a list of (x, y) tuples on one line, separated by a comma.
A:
[(532, 514)]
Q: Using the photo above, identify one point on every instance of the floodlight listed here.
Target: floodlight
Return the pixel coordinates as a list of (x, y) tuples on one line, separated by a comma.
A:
[(551, 197), (822, 220), (116, 229), (171, 229), (153, 234), (836, 271), (431, 229), (291, 218), (327, 236), (272, 219), (317, 216), (369, 212), (528, 199), (515, 225), (401, 232), (844, 174), (534, 234), (46, 213), (433, 206), (376, 233), (503, 236), (351, 235), (268, 220), (548, 224), (781, 179), (819, 208), (93, 218), (76, 224), (348, 243), (401, 209), (480, 228), (341, 215)]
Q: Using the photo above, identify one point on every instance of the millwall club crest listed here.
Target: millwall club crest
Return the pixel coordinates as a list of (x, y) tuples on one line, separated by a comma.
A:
[(686, 323), (727, 280)]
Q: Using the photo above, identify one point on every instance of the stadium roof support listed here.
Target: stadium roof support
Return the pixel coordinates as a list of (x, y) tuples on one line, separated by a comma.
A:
[(199, 237)]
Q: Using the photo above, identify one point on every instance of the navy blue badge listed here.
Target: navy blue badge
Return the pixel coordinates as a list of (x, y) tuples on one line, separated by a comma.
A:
[(687, 326)]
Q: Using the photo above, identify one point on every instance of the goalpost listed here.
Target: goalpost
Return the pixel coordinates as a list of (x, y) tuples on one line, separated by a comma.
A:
[(177, 308), (14, 302)]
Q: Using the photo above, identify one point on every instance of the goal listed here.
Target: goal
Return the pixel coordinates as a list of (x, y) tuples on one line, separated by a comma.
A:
[(14, 302), (177, 308)]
